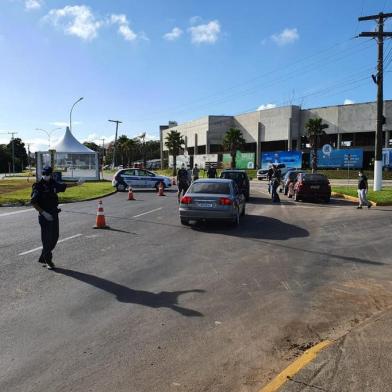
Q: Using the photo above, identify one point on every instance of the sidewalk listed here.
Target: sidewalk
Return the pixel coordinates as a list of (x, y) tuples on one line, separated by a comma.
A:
[(360, 361)]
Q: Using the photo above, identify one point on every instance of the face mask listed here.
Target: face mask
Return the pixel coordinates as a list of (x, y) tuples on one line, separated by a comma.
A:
[(46, 178)]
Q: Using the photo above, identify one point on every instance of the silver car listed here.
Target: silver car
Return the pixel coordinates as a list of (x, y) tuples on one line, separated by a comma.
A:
[(212, 199)]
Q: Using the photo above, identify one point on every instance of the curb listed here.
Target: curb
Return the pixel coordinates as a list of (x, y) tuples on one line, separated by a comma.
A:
[(351, 198), (21, 204)]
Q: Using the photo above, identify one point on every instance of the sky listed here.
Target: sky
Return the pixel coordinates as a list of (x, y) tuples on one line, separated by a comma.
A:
[(149, 62)]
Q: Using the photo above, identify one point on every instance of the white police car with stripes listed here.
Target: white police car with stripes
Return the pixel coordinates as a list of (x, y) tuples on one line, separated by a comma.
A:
[(139, 178)]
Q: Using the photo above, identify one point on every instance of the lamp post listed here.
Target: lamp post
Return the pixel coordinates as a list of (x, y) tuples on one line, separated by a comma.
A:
[(48, 133), (143, 138), (70, 113)]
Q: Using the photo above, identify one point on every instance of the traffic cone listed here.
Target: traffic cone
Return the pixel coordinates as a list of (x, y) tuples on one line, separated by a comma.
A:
[(161, 189), (100, 222), (130, 194)]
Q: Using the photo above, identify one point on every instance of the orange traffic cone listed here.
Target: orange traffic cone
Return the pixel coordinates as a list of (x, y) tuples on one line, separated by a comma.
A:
[(161, 189), (130, 194), (100, 222)]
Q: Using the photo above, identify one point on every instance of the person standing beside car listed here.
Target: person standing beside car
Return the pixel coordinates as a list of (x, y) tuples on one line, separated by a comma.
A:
[(276, 179), (182, 181), (211, 172), (195, 173), (362, 190), (269, 178)]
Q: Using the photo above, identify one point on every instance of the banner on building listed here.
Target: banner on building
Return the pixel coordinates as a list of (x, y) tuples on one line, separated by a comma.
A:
[(180, 159), (243, 160), (387, 157), (292, 159), (206, 160), (328, 157)]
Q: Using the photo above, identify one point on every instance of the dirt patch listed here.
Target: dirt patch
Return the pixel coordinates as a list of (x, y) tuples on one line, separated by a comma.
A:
[(7, 186)]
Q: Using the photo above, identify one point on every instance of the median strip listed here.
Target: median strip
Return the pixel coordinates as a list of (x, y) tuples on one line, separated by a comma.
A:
[(307, 357)]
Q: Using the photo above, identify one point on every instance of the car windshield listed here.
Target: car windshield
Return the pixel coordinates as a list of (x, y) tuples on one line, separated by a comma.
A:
[(315, 178), (233, 176), (222, 188)]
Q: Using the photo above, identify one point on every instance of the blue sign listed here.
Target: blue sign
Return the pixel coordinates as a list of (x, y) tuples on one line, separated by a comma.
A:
[(292, 159), (343, 159)]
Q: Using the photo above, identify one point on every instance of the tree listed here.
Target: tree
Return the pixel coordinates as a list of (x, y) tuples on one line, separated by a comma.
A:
[(20, 154), (232, 142), (5, 158), (174, 142), (314, 130)]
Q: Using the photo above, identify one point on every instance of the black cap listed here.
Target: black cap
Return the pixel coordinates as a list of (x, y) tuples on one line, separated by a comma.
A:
[(47, 170)]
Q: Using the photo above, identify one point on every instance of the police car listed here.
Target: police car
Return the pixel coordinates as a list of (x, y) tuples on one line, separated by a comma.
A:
[(138, 178)]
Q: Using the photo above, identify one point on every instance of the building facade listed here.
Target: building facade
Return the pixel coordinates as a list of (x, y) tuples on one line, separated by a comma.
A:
[(283, 129)]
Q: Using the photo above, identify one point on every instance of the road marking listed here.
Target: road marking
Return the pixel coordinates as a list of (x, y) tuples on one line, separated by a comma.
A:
[(40, 247), (295, 367), (16, 212), (148, 212)]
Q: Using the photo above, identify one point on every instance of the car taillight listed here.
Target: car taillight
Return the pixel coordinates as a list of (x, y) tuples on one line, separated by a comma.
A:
[(186, 200), (225, 201)]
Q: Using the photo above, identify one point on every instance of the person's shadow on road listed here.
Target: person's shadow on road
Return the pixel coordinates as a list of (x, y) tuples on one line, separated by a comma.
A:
[(164, 299)]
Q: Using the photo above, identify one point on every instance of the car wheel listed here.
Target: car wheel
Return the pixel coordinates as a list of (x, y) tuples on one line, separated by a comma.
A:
[(184, 222), (296, 198), (236, 219), (120, 188)]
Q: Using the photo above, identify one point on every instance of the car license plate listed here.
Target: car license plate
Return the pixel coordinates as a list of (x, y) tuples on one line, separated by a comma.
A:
[(315, 187), (204, 205)]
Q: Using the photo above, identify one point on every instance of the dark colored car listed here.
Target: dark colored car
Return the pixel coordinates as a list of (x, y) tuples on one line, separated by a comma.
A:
[(240, 177), (312, 186), (212, 199), (289, 178)]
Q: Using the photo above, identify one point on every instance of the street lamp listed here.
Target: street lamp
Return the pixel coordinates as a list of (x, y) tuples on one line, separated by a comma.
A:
[(70, 113), (48, 133), (143, 137)]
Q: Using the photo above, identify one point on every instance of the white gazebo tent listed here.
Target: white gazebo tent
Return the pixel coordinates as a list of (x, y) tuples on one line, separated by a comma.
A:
[(73, 159)]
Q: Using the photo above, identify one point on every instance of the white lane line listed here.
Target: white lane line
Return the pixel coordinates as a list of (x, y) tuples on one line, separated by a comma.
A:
[(16, 212), (40, 247), (148, 212)]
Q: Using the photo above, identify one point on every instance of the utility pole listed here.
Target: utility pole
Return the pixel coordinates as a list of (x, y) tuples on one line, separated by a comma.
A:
[(378, 79), (115, 142), (12, 148), (28, 155)]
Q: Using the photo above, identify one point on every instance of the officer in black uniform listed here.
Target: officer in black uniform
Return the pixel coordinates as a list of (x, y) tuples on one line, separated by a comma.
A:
[(45, 200)]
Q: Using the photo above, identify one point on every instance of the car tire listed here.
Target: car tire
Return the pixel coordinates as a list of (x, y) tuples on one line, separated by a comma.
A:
[(121, 188), (296, 197), (184, 222)]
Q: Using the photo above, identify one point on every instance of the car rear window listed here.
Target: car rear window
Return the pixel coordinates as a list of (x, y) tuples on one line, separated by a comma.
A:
[(211, 188), (315, 178)]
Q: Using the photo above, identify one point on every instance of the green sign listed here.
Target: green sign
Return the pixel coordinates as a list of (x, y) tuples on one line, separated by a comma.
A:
[(243, 160)]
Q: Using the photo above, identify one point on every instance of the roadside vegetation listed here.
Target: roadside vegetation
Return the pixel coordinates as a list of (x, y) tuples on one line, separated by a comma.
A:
[(383, 197), (18, 191)]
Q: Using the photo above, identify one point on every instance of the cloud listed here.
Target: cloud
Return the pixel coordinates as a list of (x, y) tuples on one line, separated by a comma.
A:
[(266, 106), (123, 27), (287, 36), (64, 124), (195, 20), (75, 20), (33, 4), (205, 33), (97, 138), (348, 102), (173, 35)]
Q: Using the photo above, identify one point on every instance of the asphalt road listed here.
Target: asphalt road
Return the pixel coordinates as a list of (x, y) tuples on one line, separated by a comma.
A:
[(151, 305)]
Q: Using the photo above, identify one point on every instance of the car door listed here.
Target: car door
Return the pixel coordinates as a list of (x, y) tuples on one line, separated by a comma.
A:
[(140, 178), (128, 177)]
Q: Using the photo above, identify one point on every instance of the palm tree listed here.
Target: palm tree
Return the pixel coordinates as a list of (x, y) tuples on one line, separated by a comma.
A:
[(232, 142), (314, 130), (174, 142)]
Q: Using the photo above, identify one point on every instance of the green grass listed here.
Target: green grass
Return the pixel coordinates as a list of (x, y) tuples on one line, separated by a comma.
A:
[(19, 191), (383, 197)]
